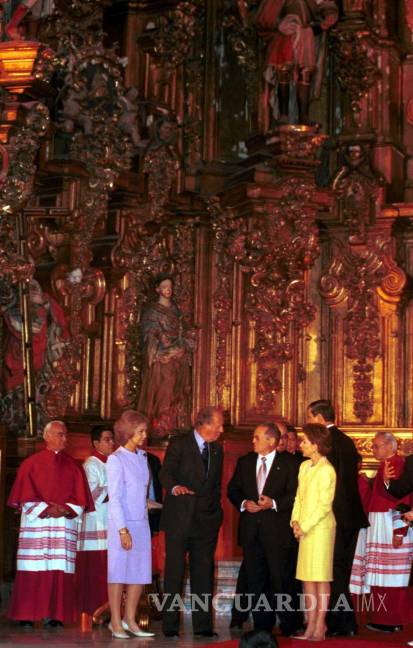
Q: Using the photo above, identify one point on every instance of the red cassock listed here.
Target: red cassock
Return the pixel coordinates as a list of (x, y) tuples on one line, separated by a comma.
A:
[(46, 555), (398, 608)]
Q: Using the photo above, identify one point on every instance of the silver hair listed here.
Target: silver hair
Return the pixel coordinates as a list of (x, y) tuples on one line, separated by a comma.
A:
[(50, 425), (388, 437)]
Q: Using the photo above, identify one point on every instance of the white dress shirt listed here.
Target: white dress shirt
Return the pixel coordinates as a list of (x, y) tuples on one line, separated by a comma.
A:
[(268, 464)]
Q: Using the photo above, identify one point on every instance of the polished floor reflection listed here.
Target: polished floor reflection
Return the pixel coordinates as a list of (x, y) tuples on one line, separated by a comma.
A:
[(12, 635)]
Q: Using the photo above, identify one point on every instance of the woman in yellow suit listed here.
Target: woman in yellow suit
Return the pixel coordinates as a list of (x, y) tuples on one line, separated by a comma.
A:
[(314, 525)]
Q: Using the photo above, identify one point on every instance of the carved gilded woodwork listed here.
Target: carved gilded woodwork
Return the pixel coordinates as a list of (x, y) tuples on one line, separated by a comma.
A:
[(246, 266), (356, 68), (172, 44), (242, 37), (161, 163), (177, 32), (357, 188), (222, 302), (81, 292), (16, 187), (273, 249), (368, 283)]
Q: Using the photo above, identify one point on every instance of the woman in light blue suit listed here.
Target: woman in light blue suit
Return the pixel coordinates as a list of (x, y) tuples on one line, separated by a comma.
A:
[(129, 537)]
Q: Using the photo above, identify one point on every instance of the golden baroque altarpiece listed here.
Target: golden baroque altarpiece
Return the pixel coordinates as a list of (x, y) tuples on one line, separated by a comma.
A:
[(138, 137)]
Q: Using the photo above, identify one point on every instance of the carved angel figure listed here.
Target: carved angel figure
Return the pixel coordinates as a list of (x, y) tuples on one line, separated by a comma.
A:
[(129, 121), (72, 112)]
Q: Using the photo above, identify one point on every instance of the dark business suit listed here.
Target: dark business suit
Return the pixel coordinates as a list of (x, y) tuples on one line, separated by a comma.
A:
[(404, 485), (266, 537), (191, 524), (298, 456), (155, 514), (350, 518)]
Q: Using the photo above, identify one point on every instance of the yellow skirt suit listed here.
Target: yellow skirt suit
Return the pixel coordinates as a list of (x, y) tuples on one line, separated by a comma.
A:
[(313, 511)]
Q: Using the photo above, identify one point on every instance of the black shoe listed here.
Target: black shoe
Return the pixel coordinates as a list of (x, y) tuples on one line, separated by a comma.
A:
[(341, 633), (170, 633), (53, 623), (26, 624), (290, 632), (380, 627), (206, 633)]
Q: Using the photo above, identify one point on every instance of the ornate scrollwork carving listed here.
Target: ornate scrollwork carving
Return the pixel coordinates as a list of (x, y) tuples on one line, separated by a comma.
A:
[(222, 296), (357, 186), (361, 278), (297, 145), (177, 33), (80, 289), (274, 248), (91, 110), (161, 163), (16, 186), (356, 66), (243, 39)]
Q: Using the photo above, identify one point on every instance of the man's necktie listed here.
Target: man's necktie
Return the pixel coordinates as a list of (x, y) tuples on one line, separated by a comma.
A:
[(205, 456), (262, 475)]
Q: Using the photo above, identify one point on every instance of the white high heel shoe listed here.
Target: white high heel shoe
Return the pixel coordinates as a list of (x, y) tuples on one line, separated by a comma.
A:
[(118, 635), (137, 633)]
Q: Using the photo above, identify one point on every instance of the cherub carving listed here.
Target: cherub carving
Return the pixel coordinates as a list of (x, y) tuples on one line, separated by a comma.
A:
[(129, 120)]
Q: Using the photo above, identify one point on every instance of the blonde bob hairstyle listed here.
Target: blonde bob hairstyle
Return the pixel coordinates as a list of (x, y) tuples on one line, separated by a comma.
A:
[(126, 425)]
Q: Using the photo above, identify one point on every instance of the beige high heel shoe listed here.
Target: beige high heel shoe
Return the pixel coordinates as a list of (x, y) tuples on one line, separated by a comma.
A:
[(137, 633), (118, 635)]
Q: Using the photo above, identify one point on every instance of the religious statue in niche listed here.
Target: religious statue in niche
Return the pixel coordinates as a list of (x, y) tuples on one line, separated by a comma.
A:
[(167, 348), (49, 338), (40, 8), (296, 36)]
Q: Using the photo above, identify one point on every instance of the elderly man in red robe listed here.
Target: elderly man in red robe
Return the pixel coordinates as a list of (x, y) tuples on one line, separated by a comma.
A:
[(384, 552), (51, 491)]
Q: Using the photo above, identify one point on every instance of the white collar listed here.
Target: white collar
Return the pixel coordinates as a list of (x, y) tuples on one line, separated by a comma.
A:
[(269, 457)]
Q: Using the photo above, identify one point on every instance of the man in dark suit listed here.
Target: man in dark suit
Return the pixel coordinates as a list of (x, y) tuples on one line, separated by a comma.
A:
[(350, 518), (404, 485), (263, 488), (192, 514), (155, 491), (292, 444)]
